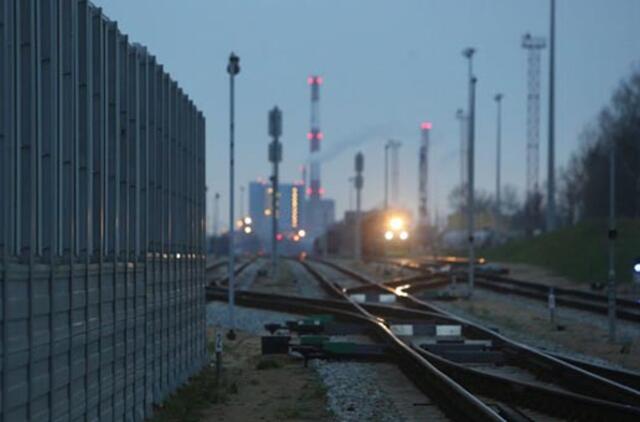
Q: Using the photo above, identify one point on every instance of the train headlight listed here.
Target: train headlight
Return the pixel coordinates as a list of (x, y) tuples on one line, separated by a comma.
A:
[(388, 235), (404, 235), (396, 223)]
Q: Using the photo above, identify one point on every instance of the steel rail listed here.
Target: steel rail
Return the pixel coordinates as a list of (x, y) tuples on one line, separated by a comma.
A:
[(454, 400), (238, 269), (570, 376), (548, 400), (628, 309)]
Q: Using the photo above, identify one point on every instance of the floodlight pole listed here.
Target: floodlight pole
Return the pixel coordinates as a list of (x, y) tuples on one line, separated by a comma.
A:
[(611, 282), (233, 68), (359, 181), (468, 53), (498, 99)]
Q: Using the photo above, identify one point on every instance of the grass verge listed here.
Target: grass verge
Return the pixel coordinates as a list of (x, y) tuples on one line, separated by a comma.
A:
[(578, 253)]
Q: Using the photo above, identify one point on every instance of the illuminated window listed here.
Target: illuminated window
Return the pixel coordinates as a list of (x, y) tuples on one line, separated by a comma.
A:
[(294, 207)]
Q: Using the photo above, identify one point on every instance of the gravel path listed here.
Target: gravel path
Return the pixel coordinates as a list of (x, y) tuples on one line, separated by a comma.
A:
[(353, 393)]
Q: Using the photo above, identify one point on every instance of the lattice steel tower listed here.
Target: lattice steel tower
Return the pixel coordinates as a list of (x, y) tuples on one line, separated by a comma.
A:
[(533, 45), (315, 135)]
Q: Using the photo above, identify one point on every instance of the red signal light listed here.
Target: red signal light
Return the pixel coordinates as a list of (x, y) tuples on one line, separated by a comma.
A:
[(309, 135), (279, 236), (425, 126), (310, 80), (320, 136)]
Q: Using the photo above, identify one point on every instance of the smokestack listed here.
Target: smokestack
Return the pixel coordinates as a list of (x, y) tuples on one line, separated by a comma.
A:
[(315, 136)]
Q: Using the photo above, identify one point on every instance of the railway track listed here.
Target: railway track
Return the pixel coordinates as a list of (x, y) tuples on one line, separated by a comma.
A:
[(626, 309), (214, 278), (583, 388), (455, 401), (525, 379)]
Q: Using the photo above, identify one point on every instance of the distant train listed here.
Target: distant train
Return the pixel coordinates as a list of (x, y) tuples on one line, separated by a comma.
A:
[(384, 232)]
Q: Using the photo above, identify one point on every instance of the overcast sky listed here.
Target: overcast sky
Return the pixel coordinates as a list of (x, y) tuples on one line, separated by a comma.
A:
[(387, 66)]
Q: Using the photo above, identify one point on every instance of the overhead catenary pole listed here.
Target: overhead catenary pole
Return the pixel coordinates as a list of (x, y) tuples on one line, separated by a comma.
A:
[(498, 99), (359, 167), (386, 175), (242, 209), (216, 212), (233, 68), (551, 189), (275, 156), (611, 282), (468, 53), (462, 118), (423, 176)]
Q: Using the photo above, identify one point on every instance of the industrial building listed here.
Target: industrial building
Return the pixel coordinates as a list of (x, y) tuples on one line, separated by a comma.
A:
[(292, 208), (101, 220)]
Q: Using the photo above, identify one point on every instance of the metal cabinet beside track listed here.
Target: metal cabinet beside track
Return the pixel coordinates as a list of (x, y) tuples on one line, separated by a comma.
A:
[(101, 219)]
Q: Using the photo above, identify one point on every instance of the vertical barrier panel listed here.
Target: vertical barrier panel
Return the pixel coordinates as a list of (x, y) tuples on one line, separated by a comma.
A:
[(143, 173), (182, 282), (119, 400), (10, 136), (142, 302), (201, 234), (173, 206), (49, 191), (4, 191), (134, 146), (101, 195), (66, 123), (48, 124), (98, 99), (107, 371), (83, 389), (111, 219), (195, 308), (158, 233), (26, 99), (84, 128), (96, 245), (146, 221), (131, 316), (123, 138), (152, 295)]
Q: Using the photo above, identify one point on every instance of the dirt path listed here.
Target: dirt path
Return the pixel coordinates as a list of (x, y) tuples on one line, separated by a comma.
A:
[(252, 388)]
